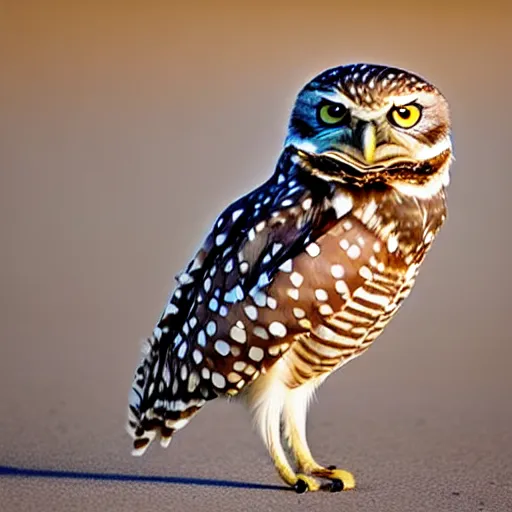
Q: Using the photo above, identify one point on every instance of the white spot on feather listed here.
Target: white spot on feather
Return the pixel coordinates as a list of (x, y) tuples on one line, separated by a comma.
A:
[(342, 204), (313, 249), (236, 214), (171, 309), (218, 380), (256, 354), (222, 347), (277, 329), (287, 266), (238, 334), (220, 239)]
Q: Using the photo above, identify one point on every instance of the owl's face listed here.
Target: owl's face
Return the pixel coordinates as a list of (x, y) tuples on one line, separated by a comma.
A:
[(365, 123)]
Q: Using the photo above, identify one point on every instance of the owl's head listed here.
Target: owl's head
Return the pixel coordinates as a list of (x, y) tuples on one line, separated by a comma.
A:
[(365, 123)]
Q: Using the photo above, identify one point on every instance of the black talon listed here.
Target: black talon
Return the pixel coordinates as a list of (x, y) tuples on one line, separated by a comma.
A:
[(301, 486), (336, 485), (331, 467)]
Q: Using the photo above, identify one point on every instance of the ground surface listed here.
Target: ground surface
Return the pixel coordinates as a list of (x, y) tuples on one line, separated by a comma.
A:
[(410, 448)]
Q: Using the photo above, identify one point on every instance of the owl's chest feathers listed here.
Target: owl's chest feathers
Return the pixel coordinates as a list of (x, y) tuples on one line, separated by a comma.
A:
[(392, 234), (405, 225)]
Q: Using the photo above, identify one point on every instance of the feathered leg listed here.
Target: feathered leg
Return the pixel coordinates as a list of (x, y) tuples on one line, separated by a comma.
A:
[(294, 415), (266, 399)]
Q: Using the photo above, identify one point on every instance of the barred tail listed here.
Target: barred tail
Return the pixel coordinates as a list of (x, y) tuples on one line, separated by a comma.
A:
[(160, 403)]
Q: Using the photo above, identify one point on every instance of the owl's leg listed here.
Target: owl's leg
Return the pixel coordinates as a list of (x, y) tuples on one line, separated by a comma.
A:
[(266, 398), (294, 416)]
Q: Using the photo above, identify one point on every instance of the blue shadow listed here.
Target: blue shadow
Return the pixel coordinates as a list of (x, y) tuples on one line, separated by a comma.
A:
[(11, 471)]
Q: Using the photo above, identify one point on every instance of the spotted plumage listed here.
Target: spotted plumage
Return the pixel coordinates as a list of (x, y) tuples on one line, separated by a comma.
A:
[(302, 274)]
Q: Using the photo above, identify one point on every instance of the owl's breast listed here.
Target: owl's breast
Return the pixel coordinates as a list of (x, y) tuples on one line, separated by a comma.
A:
[(406, 225), (379, 244), (347, 286)]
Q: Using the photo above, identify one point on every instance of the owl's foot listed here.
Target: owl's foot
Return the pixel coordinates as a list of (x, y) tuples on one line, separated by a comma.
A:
[(298, 481), (341, 480), (305, 483)]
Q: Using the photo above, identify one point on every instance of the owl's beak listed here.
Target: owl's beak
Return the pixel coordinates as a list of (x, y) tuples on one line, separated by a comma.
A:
[(368, 141)]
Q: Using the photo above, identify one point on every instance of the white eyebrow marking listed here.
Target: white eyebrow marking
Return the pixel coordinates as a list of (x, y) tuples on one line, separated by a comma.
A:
[(400, 101), (337, 97)]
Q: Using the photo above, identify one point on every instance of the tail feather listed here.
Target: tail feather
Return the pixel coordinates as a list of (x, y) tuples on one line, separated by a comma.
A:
[(160, 402)]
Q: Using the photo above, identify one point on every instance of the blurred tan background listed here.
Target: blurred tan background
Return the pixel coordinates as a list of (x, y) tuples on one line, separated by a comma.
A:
[(125, 127)]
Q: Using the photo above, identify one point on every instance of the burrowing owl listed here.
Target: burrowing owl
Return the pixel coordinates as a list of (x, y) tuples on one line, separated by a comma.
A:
[(301, 275)]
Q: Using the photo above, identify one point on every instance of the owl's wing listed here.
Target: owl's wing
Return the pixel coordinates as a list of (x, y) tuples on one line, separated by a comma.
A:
[(250, 241)]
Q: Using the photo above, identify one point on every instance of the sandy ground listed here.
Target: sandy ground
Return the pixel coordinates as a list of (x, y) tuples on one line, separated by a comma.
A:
[(123, 132), (414, 444)]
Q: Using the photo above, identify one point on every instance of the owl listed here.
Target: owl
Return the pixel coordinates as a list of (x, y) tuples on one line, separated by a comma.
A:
[(301, 275)]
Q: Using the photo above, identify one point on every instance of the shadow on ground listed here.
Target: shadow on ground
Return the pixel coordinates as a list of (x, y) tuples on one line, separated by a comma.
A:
[(11, 471)]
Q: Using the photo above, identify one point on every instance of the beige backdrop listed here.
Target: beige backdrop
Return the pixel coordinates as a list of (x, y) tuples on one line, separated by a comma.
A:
[(125, 127)]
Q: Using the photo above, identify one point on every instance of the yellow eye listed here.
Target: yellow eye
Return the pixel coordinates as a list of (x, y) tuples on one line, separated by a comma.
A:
[(405, 116), (332, 113)]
